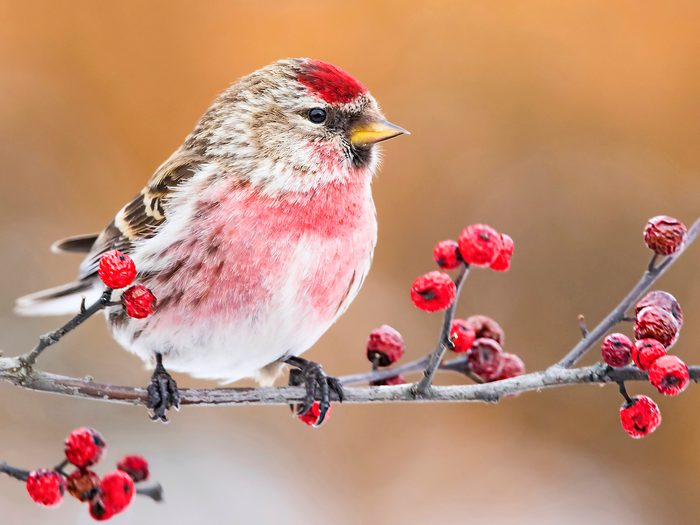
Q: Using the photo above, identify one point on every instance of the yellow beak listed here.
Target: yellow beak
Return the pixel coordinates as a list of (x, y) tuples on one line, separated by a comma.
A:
[(374, 131)]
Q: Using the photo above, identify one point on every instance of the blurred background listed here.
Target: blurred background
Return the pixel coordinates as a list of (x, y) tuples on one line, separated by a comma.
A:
[(565, 124)]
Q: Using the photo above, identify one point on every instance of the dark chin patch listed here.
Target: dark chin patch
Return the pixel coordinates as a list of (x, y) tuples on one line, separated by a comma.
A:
[(360, 156)]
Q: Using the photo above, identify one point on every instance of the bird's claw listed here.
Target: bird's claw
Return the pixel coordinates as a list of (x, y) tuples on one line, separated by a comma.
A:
[(317, 384), (163, 394)]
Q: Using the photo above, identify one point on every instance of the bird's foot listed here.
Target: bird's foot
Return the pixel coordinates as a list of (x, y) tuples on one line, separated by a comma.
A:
[(317, 384), (162, 393)]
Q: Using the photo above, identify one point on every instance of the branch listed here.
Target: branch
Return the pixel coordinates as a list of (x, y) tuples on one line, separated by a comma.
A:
[(618, 314)]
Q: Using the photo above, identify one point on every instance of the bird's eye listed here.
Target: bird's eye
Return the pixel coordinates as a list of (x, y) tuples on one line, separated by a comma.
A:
[(317, 115)]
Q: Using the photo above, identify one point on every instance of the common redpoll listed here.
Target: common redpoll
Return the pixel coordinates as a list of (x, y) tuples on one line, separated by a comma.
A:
[(255, 235)]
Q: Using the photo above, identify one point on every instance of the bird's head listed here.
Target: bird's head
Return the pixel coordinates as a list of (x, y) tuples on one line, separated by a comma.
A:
[(294, 125)]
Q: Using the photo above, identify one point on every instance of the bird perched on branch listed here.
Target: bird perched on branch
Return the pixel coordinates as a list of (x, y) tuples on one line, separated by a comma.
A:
[(255, 235)]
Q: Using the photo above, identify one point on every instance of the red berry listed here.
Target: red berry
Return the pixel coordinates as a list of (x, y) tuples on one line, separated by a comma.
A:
[(485, 359), (389, 381), (99, 511), (663, 300), (616, 350), (117, 489), (462, 335), (385, 345), (135, 466), (664, 235), (139, 302), (646, 351), (513, 366), (446, 254), (484, 326), (311, 417), (502, 261), (433, 291), (46, 487), (479, 244), (84, 447), (83, 484), (116, 269), (669, 375), (654, 323), (640, 416)]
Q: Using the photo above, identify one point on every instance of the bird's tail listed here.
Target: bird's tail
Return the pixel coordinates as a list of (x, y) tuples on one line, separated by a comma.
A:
[(61, 300)]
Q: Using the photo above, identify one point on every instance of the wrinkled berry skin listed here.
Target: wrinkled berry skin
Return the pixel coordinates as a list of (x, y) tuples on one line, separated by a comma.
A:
[(446, 254), (385, 346), (433, 291), (646, 351), (139, 302), (663, 300), (462, 335), (46, 487), (117, 489), (669, 375), (134, 466), (616, 350), (84, 447), (640, 417), (484, 326), (83, 484), (664, 235), (311, 417), (389, 381), (502, 261), (116, 269), (485, 359), (513, 366), (479, 244), (654, 323)]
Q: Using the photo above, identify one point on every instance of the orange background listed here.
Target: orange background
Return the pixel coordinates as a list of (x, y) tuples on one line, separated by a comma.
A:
[(565, 124)]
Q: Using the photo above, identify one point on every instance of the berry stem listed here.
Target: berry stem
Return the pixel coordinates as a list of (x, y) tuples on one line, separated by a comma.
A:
[(54, 337), (435, 358), (623, 392), (155, 492), (582, 325), (650, 276), (14, 472)]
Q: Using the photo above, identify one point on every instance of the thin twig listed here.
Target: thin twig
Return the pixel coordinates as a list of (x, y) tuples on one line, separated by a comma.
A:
[(618, 314), (13, 472), (435, 358)]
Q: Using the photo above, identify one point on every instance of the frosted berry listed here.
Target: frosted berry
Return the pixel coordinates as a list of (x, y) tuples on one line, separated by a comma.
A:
[(139, 302), (117, 490), (135, 466), (616, 350), (98, 511), (485, 359), (664, 235), (646, 351), (484, 326), (433, 291), (502, 261), (669, 375), (663, 300), (46, 487), (479, 244), (311, 417), (640, 416), (654, 323), (513, 366), (446, 254), (116, 269), (83, 484), (385, 345), (389, 381), (84, 447), (462, 335)]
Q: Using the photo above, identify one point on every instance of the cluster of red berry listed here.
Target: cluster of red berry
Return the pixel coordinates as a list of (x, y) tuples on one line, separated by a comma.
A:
[(658, 320), (117, 270), (106, 496)]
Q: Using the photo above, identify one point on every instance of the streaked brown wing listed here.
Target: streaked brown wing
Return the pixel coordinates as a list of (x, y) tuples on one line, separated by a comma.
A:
[(143, 217)]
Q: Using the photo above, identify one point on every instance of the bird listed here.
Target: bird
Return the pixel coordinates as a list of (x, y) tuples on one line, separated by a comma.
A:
[(255, 235)]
